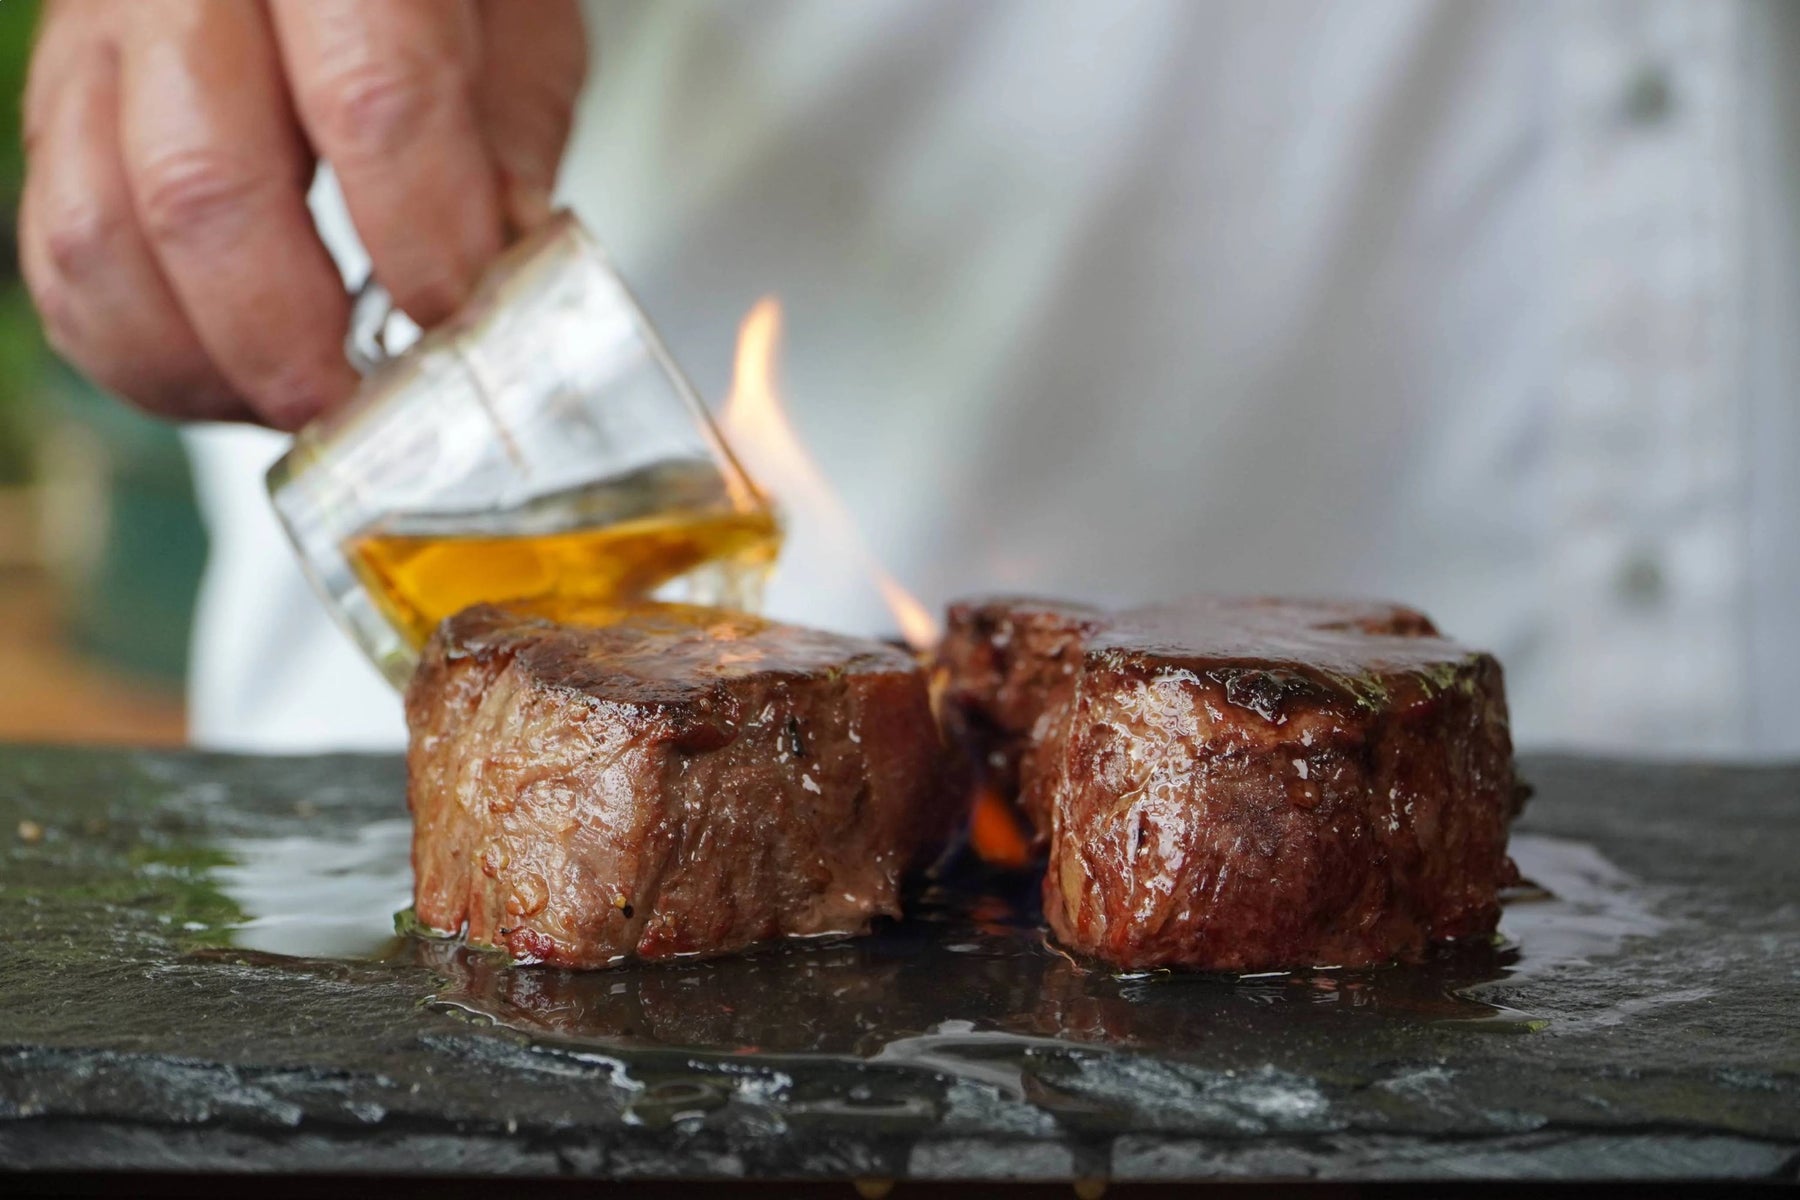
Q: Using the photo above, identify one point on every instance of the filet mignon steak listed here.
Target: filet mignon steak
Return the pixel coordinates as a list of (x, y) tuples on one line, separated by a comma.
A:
[(1243, 784), (681, 781)]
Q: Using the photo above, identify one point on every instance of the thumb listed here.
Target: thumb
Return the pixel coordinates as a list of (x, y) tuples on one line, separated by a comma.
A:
[(533, 62)]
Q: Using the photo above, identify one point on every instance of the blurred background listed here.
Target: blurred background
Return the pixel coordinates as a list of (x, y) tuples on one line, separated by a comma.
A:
[(101, 545), (1485, 307)]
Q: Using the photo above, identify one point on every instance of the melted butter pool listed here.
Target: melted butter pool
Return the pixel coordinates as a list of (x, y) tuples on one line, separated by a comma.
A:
[(968, 986), (320, 897)]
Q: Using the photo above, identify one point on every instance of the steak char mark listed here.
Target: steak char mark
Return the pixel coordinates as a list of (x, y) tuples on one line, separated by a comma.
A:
[(679, 782), (1243, 784)]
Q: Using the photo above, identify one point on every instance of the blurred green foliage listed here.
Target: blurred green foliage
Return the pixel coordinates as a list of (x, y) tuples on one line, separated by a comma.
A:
[(130, 603), (17, 20), (22, 351)]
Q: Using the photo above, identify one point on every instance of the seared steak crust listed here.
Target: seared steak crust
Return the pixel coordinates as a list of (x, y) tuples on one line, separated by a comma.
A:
[(683, 781), (1249, 785)]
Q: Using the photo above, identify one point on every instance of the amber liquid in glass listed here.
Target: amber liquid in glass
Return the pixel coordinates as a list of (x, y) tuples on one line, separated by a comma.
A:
[(609, 545)]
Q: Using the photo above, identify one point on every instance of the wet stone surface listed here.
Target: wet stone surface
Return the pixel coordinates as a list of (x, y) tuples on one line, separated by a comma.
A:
[(200, 973)]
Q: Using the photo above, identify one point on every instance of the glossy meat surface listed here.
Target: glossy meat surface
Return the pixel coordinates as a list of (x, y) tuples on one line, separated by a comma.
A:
[(683, 781), (1244, 784)]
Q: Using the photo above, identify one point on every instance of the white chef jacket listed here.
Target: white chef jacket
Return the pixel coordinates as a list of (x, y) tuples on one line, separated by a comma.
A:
[(1485, 307)]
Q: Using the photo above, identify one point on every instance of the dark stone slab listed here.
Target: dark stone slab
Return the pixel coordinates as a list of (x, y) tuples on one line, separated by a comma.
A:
[(1639, 1021)]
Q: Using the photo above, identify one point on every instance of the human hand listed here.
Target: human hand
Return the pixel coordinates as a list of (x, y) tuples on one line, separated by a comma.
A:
[(164, 231)]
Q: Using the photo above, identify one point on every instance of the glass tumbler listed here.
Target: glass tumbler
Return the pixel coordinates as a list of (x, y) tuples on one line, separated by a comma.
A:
[(540, 446)]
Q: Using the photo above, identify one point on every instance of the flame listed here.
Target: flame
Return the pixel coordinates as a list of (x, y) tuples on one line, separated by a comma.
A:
[(756, 425), (995, 833), (917, 625)]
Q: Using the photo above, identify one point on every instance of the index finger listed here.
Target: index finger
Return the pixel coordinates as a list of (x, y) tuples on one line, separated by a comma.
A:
[(218, 171), (386, 93)]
